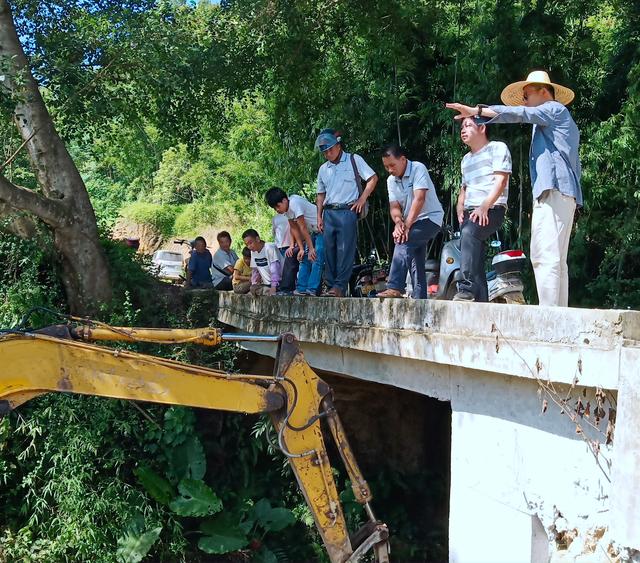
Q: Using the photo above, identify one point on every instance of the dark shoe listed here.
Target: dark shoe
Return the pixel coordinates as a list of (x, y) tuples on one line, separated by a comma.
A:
[(333, 292), (464, 296), (393, 293)]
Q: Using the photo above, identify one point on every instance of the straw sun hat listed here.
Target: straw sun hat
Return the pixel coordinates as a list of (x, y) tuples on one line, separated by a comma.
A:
[(512, 95)]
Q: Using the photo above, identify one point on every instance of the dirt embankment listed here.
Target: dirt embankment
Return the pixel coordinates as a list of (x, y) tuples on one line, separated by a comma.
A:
[(152, 240)]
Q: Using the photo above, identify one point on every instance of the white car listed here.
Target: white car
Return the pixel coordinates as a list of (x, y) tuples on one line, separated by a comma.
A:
[(169, 264)]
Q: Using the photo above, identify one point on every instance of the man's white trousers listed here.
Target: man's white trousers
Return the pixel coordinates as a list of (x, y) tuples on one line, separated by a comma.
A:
[(551, 225)]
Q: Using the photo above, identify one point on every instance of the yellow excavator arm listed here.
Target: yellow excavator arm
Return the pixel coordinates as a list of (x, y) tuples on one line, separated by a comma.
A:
[(61, 359)]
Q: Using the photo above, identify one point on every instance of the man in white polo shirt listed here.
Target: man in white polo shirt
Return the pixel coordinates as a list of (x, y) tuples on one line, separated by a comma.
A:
[(481, 206), (303, 222), (417, 215), (339, 201)]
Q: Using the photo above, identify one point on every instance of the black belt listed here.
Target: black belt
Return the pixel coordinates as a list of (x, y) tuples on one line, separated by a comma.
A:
[(338, 206), (470, 209)]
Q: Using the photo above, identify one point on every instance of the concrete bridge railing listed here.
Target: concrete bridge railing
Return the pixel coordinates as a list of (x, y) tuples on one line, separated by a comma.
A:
[(529, 457)]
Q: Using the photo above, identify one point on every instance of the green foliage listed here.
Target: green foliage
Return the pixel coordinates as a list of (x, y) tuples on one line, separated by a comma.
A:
[(176, 180), (136, 296), (196, 499), (231, 531), (158, 487), (223, 534), (270, 519), (607, 249), (195, 216), (26, 279), (107, 199), (68, 494), (186, 460), (137, 541), (161, 217), (221, 182)]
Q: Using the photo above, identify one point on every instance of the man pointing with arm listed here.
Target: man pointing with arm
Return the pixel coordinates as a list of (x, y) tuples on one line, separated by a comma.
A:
[(555, 173)]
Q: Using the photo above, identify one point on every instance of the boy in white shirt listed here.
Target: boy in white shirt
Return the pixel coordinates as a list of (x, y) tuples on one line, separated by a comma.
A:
[(282, 237), (303, 224), (266, 264)]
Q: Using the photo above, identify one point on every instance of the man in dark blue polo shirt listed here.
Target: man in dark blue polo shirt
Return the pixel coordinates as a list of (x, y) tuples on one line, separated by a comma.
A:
[(199, 270)]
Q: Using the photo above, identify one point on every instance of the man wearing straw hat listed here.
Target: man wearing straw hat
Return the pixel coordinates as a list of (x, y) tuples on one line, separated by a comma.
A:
[(555, 173)]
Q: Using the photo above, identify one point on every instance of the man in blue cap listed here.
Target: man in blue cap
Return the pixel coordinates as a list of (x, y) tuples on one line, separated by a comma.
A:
[(339, 201)]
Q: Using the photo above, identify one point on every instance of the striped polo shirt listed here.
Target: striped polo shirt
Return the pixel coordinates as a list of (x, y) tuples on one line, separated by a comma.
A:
[(478, 173)]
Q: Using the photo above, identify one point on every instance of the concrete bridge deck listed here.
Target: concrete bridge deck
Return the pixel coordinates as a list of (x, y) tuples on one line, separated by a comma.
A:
[(535, 395)]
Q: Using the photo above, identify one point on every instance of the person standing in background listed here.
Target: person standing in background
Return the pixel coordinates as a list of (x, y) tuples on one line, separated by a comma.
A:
[(284, 241), (339, 201)]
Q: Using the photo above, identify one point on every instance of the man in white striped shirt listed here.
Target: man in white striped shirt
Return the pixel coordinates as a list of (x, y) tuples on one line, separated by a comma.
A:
[(482, 204)]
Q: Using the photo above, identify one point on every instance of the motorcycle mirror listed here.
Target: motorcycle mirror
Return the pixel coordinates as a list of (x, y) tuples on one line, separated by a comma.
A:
[(496, 244)]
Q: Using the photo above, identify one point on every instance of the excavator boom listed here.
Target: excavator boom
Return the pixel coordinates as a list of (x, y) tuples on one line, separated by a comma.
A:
[(57, 359)]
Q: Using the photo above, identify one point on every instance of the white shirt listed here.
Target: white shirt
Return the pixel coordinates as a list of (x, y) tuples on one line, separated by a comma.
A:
[(300, 207), (222, 260), (338, 181), (261, 260), (478, 173), (415, 177), (280, 230)]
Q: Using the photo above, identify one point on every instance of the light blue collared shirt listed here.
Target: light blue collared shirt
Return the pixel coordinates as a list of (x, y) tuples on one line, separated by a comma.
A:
[(338, 180), (415, 177), (554, 161)]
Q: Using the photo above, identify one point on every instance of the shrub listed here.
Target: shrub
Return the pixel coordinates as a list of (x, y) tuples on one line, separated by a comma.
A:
[(161, 217), (194, 216)]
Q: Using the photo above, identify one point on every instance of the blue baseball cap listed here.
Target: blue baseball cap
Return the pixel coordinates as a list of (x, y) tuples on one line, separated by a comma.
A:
[(326, 139)]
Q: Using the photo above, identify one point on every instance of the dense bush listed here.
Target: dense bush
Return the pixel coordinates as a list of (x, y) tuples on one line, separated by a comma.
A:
[(161, 217)]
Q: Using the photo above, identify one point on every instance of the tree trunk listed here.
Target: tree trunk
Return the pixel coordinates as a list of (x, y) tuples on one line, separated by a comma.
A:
[(64, 202)]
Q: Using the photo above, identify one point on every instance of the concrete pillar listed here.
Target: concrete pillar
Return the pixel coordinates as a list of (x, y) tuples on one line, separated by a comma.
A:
[(489, 521), (625, 490), (516, 472)]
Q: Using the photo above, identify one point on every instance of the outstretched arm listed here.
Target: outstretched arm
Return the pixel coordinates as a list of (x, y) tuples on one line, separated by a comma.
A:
[(538, 115)]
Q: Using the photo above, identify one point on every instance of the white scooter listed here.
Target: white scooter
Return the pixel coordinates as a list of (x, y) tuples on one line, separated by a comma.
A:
[(504, 280)]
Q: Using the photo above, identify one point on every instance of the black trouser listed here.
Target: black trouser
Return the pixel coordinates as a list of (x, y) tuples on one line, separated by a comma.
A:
[(225, 284), (474, 251), (289, 270)]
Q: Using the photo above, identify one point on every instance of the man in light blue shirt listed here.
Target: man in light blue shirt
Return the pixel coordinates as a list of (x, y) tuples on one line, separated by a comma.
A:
[(339, 201), (555, 173), (417, 215)]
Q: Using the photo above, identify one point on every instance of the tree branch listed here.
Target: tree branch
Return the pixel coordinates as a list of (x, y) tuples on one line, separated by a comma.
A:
[(52, 164), (50, 211), (17, 223)]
